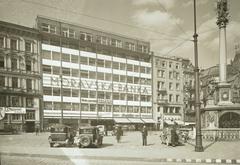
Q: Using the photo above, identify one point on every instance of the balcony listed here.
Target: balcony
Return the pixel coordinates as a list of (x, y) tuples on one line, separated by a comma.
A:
[(18, 72), (162, 90), (19, 91), (162, 101)]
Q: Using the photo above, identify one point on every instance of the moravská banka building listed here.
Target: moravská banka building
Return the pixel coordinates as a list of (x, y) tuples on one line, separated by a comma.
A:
[(94, 77)]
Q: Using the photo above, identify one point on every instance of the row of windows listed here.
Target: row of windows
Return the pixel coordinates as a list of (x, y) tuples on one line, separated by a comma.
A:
[(170, 97), (96, 107), (14, 82), (95, 75), (15, 44), (14, 64), (15, 101), (163, 64), (93, 94), (162, 85), (30, 115), (95, 62), (171, 75), (171, 110), (71, 33)]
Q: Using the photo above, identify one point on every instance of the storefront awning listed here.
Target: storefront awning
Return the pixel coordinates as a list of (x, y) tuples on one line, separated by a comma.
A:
[(170, 122), (179, 122), (135, 120), (121, 120), (149, 121)]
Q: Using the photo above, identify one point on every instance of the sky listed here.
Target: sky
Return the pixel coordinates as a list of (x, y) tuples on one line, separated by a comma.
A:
[(166, 24)]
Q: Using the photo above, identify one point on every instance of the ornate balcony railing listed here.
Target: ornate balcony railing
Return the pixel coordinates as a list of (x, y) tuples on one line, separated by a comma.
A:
[(221, 134)]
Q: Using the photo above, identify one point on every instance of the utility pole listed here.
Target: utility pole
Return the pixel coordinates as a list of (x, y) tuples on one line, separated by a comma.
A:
[(198, 146)]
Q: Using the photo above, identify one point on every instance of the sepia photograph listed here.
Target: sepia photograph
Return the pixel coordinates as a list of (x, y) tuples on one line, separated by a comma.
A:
[(119, 82)]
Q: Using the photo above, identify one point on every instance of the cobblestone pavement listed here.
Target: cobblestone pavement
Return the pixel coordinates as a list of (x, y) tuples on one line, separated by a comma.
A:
[(34, 149)]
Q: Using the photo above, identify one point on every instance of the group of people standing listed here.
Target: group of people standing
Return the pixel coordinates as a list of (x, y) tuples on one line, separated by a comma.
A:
[(144, 131)]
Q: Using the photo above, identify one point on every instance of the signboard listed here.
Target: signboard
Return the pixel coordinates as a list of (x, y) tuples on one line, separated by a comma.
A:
[(100, 85), (15, 110)]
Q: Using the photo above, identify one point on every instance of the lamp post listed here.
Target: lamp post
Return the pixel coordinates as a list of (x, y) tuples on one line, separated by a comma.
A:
[(198, 146)]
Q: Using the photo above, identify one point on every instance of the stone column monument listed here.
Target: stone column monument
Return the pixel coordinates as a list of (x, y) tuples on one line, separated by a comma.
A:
[(224, 94)]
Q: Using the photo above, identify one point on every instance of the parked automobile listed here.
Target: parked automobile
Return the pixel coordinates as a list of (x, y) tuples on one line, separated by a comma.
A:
[(169, 136), (61, 135), (89, 136)]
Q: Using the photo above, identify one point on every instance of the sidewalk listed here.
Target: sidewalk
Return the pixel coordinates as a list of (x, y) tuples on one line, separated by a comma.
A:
[(130, 148)]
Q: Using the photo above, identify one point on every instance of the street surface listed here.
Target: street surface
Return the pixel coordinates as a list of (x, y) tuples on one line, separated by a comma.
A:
[(30, 149)]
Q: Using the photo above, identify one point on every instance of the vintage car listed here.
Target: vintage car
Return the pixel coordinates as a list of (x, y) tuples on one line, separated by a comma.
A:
[(61, 135), (169, 136), (89, 136)]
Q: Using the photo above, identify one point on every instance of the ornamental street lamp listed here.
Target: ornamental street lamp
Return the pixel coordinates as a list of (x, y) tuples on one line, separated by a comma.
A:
[(198, 146)]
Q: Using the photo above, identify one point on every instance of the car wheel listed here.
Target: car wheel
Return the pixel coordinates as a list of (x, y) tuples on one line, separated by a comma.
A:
[(85, 141)]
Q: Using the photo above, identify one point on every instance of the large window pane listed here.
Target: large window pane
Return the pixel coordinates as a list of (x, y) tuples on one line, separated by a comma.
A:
[(56, 56)]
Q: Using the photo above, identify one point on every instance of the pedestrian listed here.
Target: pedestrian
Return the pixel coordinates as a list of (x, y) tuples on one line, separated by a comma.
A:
[(144, 135), (118, 134), (37, 130)]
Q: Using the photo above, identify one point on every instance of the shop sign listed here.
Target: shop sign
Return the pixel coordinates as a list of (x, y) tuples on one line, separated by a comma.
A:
[(108, 86), (15, 110)]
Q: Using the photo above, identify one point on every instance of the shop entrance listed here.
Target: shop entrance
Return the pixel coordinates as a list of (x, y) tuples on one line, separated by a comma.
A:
[(30, 126)]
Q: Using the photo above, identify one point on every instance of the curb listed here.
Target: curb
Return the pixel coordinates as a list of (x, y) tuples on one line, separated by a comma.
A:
[(169, 160)]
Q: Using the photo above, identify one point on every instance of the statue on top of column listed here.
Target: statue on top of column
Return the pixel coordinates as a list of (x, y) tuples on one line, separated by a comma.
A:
[(223, 13)]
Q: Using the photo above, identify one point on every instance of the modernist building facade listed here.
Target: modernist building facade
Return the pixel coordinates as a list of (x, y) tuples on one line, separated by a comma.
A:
[(20, 79), (168, 90), (91, 76)]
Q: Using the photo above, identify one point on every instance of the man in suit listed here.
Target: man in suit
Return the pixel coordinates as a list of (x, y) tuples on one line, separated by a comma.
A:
[(144, 135)]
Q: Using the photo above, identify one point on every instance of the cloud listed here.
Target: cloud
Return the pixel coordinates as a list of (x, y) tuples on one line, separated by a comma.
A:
[(157, 19), (166, 3)]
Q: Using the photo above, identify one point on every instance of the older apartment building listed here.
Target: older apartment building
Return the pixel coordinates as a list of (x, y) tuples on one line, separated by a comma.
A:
[(20, 78)]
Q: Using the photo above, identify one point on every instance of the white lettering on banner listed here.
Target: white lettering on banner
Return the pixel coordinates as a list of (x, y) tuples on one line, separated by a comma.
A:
[(85, 84), (15, 110)]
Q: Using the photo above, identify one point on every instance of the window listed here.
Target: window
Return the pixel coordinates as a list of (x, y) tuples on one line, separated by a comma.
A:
[(84, 93), (92, 94), (177, 110), (66, 57), (142, 69), (74, 59), (56, 91), (170, 75), (122, 96), (115, 96), (116, 43), (15, 101), (75, 106), (14, 82), (165, 109), (66, 32), (177, 98), (170, 65), (47, 54), (136, 68), (170, 86), (177, 65), (67, 106), (2, 81), (56, 70), (86, 37), (66, 71), (1, 42), (47, 69), (29, 84), (170, 98), (177, 86), (129, 67), (130, 46), (84, 74), (93, 107), (92, 61), (14, 64), (108, 95), (171, 109), (1, 62), (84, 60), (100, 63), (108, 64), (48, 28), (160, 85), (84, 107), (100, 76), (28, 46), (29, 102), (108, 108), (66, 92), (56, 56), (116, 108), (101, 95), (136, 98), (48, 91), (122, 66), (116, 77), (143, 48), (115, 65), (163, 64), (30, 115), (48, 105), (136, 80), (108, 76), (75, 73), (13, 44), (129, 79), (75, 93), (28, 65), (161, 73), (101, 108), (104, 40), (16, 117), (177, 76), (92, 75), (56, 106), (130, 97)]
